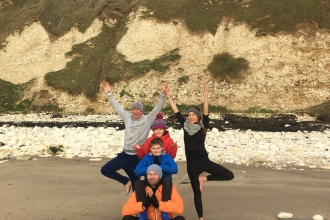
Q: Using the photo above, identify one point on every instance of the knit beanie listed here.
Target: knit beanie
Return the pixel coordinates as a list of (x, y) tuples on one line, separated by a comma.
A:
[(195, 111), (156, 168), (137, 105), (158, 122)]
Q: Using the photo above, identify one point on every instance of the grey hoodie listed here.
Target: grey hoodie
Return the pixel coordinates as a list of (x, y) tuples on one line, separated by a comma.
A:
[(136, 131)]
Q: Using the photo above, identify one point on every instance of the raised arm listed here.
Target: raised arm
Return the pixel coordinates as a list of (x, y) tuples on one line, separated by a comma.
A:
[(206, 101), (159, 105), (119, 109), (107, 88), (170, 100)]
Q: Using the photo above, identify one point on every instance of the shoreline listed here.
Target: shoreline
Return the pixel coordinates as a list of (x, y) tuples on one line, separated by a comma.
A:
[(243, 122)]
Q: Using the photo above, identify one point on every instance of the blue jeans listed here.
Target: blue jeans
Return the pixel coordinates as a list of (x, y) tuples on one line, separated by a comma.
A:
[(123, 161)]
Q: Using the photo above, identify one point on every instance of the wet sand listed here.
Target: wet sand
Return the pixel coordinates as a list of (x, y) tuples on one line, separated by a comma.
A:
[(64, 189)]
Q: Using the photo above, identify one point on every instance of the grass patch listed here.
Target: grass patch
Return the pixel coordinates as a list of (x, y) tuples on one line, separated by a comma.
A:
[(89, 110), (123, 92), (49, 107), (265, 15), (183, 80), (11, 94), (226, 67), (83, 74), (219, 109), (97, 60), (183, 108), (117, 68), (60, 16), (55, 149), (15, 14), (57, 17), (322, 109), (260, 110)]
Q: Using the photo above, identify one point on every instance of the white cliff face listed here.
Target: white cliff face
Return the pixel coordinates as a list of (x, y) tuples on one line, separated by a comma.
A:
[(287, 70), (31, 54)]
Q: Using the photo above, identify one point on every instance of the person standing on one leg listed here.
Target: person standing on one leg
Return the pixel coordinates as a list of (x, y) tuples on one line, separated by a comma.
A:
[(195, 128), (137, 127)]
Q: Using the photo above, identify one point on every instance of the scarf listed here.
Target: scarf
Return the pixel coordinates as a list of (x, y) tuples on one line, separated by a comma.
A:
[(192, 128)]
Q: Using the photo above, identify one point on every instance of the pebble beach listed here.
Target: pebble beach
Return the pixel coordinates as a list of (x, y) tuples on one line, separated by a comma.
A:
[(279, 150)]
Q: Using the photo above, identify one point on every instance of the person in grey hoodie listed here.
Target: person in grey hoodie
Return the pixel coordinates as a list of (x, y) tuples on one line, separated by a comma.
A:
[(137, 128)]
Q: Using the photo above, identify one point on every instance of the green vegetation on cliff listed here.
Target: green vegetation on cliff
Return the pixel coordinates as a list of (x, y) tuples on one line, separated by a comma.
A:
[(97, 60), (11, 95), (267, 16)]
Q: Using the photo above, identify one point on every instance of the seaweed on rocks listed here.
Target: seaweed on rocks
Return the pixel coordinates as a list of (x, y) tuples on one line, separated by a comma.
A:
[(274, 123)]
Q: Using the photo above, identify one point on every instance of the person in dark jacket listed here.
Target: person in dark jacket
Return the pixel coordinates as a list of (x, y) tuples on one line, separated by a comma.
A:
[(195, 128)]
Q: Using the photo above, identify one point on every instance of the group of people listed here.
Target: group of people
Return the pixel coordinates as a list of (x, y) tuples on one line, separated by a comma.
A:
[(155, 196)]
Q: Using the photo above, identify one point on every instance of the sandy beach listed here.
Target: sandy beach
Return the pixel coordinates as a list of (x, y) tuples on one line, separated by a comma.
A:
[(53, 188)]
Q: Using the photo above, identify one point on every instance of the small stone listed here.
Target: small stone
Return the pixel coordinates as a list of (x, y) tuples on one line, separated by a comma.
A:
[(95, 159), (284, 215), (317, 217), (24, 158)]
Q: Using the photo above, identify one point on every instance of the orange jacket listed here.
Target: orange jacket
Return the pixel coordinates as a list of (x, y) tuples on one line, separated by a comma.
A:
[(168, 145), (173, 206)]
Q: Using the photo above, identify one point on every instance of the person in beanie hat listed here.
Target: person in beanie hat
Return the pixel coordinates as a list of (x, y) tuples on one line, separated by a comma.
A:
[(156, 156), (194, 134), (152, 203), (137, 127), (137, 105), (157, 169), (158, 122), (159, 128)]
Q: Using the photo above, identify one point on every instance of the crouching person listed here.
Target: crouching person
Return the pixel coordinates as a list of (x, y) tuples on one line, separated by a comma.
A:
[(153, 204)]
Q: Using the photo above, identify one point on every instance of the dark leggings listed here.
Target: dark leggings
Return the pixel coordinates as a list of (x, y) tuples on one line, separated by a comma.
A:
[(130, 217), (195, 168), (140, 189), (122, 161)]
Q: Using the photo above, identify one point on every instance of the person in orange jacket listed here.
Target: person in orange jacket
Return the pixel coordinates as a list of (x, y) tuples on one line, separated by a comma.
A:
[(159, 129), (153, 203)]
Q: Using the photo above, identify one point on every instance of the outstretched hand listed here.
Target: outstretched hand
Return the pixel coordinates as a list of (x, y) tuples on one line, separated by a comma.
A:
[(165, 89), (136, 146), (205, 85), (107, 88)]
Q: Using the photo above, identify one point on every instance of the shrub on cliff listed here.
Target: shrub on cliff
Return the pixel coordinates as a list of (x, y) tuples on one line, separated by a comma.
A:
[(227, 67)]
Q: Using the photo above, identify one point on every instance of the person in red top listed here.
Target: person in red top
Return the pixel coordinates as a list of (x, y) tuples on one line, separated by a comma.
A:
[(159, 129)]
